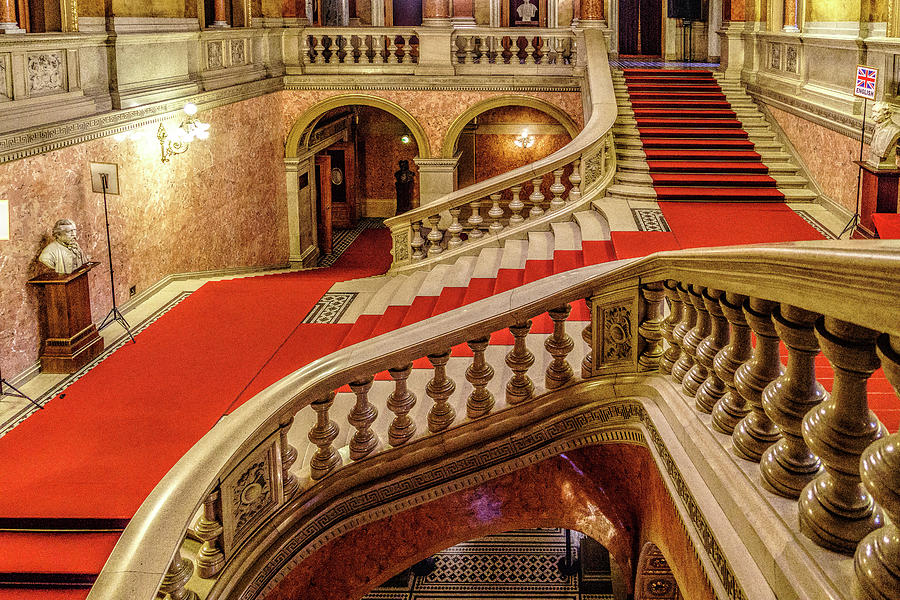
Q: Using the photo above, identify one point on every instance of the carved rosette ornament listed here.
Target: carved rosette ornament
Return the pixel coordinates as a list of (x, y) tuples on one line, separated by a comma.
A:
[(617, 338), (667, 361), (361, 417), (439, 389), (479, 374), (697, 374), (559, 345), (210, 558), (519, 388), (788, 465), (400, 402), (732, 407), (688, 322), (651, 327), (323, 434), (179, 573), (836, 511), (756, 432), (877, 560)]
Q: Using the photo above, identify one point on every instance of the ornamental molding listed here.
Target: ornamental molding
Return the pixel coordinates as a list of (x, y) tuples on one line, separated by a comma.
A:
[(411, 87), (834, 120)]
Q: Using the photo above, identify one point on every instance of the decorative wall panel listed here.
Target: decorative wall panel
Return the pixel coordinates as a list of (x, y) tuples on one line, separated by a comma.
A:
[(45, 72), (615, 327), (5, 79)]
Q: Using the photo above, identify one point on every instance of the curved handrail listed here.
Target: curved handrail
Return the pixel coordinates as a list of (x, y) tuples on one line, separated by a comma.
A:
[(856, 281), (602, 112)]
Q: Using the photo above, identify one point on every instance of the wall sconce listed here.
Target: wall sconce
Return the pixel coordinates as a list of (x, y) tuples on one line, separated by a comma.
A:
[(524, 140), (405, 138), (177, 141)]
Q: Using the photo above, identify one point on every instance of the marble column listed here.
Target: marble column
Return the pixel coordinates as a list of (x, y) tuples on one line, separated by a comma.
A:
[(219, 14), (790, 16), (436, 13), (8, 22), (463, 13), (592, 14)]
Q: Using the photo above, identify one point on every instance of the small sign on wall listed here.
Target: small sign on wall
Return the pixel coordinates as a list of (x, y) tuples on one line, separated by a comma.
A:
[(4, 219), (866, 82)]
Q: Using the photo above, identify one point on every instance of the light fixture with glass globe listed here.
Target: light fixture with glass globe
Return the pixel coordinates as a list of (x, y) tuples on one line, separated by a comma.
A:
[(177, 141), (524, 140)]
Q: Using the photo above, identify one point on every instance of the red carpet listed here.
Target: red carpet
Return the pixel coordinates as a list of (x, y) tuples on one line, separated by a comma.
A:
[(697, 225)]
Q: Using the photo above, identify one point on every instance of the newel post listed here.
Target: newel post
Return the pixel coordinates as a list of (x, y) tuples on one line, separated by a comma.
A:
[(616, 343)]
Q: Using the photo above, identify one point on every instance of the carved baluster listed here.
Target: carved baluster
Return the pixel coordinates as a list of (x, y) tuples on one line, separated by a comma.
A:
[(356, 44), (877, 561), (469, 56), (575, 180), (400, 402), (306, 51), (496, 213), (529, 51), (788, 465), (392, 50), (323, 434), (516, 206), (361, 417), (713, 388), (407, 49), (320, 50), (559, 345), (439, 389), (520, 387), (418, 242), (536, 198), (479, 374), (455, 229), (650, 329), (688, 322), (210, 558), (587, 334), (836, 511), (435, 236), (557, 189), (288, 458), (732, 407), (179, 573), (756, 432), (697, 373), (475, 220), (667, 361)]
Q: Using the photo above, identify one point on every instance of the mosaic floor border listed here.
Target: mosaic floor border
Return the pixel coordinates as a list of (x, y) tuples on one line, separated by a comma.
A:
[(816, 224)]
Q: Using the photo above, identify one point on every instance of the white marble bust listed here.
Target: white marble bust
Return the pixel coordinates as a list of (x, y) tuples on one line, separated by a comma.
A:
[(63, 254), (883, 148)]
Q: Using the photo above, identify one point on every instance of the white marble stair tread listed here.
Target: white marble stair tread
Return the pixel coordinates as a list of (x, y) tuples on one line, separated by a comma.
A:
[(594, 228), (369, 284), (540, 245), (617, 212), (488, 263), (461, 272), (515, 253), (382, 298), (408, 290), (566, 236), (434, 280)]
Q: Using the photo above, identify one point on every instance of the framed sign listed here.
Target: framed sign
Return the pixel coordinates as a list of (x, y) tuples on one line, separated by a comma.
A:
[(111, 171), (866, 82)]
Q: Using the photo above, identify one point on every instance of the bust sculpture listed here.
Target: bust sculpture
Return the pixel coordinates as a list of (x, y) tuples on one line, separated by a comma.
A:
[(883, 148), (63, 254), (526, 11)]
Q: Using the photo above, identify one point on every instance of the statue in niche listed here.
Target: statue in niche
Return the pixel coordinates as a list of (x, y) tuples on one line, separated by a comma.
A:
[(405, 179), (63, 254), (883, 148), (526, 11)]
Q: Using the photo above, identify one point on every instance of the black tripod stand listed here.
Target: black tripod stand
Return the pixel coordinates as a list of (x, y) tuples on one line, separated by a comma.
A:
[(854, 220), (115, 315), (15, 393)]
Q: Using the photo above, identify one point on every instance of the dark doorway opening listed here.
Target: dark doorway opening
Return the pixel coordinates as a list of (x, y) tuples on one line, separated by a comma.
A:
[(640, 27)]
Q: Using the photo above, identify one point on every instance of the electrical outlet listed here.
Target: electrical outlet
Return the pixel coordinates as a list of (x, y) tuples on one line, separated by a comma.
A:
[(132, 290)]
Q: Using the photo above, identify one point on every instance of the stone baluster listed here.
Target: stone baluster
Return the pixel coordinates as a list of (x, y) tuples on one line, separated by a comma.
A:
[(519, 388), (392, 50), (455, 228), (788, 465), (289, 483), (877, 560), (180, 571), (435, 236), (475, 220), (688, 322), (210, 558), (323, 434), (650, 329), (557, 189), (732, 407), (469, 56), (756, 431), (418, 242), (356, 46), (529, 51), (697, 374), (496, 213), (587, 335), (667, 361), (362, 416), (551, 52), (320, 50), (407, 50), (559, 345), (836, 511), (305, 50), (536, 198), (516, 206), (479, 374), (439, 389), (400, 402), (575, 180), (371, 49), (713, 388)]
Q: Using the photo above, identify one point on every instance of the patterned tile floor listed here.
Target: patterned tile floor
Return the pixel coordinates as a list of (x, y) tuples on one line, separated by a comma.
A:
[(513, 565)]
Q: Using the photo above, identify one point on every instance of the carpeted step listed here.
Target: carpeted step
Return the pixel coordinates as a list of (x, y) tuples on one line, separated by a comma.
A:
[(706, 166), (679, 103), (667, 72), (55, 552), (674, 86), (712, 179), (687, 122), (721, 194), (44, 593), (668, 132), (712, 113), (698, 143), (676, 95), (702, 155)]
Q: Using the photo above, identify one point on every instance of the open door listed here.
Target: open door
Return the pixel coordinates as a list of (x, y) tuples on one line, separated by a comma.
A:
[(323, 204), (343, 185)]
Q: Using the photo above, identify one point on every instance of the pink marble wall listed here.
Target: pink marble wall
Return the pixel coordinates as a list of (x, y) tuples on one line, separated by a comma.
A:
[(614, 493), (219, 205), (380, 152), (827, 154)]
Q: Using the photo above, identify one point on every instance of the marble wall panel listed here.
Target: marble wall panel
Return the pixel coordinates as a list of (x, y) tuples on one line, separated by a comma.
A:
[(498, 154), (219, 205), (380, 152), (827, 154), (613, 493)]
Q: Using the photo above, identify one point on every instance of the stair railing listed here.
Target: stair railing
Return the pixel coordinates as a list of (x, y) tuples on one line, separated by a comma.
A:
[(830, 451), (530, 197)]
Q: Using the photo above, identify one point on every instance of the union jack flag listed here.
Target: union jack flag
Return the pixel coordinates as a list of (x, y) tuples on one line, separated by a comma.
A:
[(866, 79)]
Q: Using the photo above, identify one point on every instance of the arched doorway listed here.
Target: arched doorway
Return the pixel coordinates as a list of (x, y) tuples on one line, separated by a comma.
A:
[(640, 27)]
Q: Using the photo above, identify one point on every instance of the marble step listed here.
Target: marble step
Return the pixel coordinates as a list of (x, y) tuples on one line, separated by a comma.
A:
[(592, 227), (633, 165), (634, 178), (789, 181), (630, 191)]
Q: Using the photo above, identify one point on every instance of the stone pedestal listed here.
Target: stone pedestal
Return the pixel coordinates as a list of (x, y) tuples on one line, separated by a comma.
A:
[(732, 48), (878, 194)]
